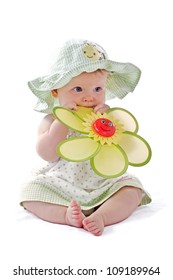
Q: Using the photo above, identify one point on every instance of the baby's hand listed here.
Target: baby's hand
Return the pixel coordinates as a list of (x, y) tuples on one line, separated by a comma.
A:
[(101, 108), (70, 106)]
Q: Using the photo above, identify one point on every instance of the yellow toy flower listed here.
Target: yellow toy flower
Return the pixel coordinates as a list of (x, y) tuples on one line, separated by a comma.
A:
[(109, 140)]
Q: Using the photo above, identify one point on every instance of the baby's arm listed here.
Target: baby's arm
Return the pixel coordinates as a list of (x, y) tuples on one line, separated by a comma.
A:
[(50, 133)]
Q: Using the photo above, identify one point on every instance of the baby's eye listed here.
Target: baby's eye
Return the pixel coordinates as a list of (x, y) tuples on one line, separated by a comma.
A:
[(98, 89), (77, 89)]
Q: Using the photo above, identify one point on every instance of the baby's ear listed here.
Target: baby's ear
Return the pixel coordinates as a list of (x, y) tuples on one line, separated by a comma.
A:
[(54, 93)]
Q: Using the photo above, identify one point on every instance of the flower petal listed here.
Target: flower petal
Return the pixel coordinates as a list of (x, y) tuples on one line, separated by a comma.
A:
[(82, 112), (78, 148), (124, 117), (137, 149), (68, 118), (110, 161)]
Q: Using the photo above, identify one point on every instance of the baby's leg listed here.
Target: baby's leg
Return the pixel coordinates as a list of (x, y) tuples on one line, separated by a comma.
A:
[(116, 209), (58, 214)]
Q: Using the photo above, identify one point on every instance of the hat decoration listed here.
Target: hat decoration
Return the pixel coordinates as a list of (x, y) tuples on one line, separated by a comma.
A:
[(110, 140)]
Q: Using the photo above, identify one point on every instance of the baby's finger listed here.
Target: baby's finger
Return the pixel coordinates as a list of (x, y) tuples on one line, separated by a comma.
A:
[(101, 108)]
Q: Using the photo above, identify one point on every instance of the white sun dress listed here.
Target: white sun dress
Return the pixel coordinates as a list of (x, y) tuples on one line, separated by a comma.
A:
[(61, 181)]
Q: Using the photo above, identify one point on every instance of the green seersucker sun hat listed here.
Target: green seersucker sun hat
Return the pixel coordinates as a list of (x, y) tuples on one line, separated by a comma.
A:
[(75, 57)]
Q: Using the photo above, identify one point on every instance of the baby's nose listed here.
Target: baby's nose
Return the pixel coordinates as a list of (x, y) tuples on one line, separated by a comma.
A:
[(88, 98)]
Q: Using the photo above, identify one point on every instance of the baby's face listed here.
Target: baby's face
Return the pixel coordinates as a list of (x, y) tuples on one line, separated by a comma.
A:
[(87, 90)]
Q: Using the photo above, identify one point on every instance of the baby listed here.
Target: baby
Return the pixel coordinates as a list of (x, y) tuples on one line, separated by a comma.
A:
[(71, 193)]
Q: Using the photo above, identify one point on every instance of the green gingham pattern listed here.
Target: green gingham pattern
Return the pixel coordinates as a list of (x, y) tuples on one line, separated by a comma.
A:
[(38, 191), (72, 60)]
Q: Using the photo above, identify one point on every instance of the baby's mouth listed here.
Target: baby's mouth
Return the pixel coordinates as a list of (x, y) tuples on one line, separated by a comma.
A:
[(87, 105)]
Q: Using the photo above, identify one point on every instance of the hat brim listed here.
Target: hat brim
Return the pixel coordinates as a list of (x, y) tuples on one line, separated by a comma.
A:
[(122, 79)]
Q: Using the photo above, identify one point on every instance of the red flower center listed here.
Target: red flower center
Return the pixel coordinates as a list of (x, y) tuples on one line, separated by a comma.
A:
[(104, 127)]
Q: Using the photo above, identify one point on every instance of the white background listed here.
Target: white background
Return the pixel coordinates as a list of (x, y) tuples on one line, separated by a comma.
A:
[(131, 31)]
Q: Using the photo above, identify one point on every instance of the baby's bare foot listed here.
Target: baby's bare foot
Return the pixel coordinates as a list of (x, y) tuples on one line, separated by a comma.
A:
[(94, 224), (74, 215)]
